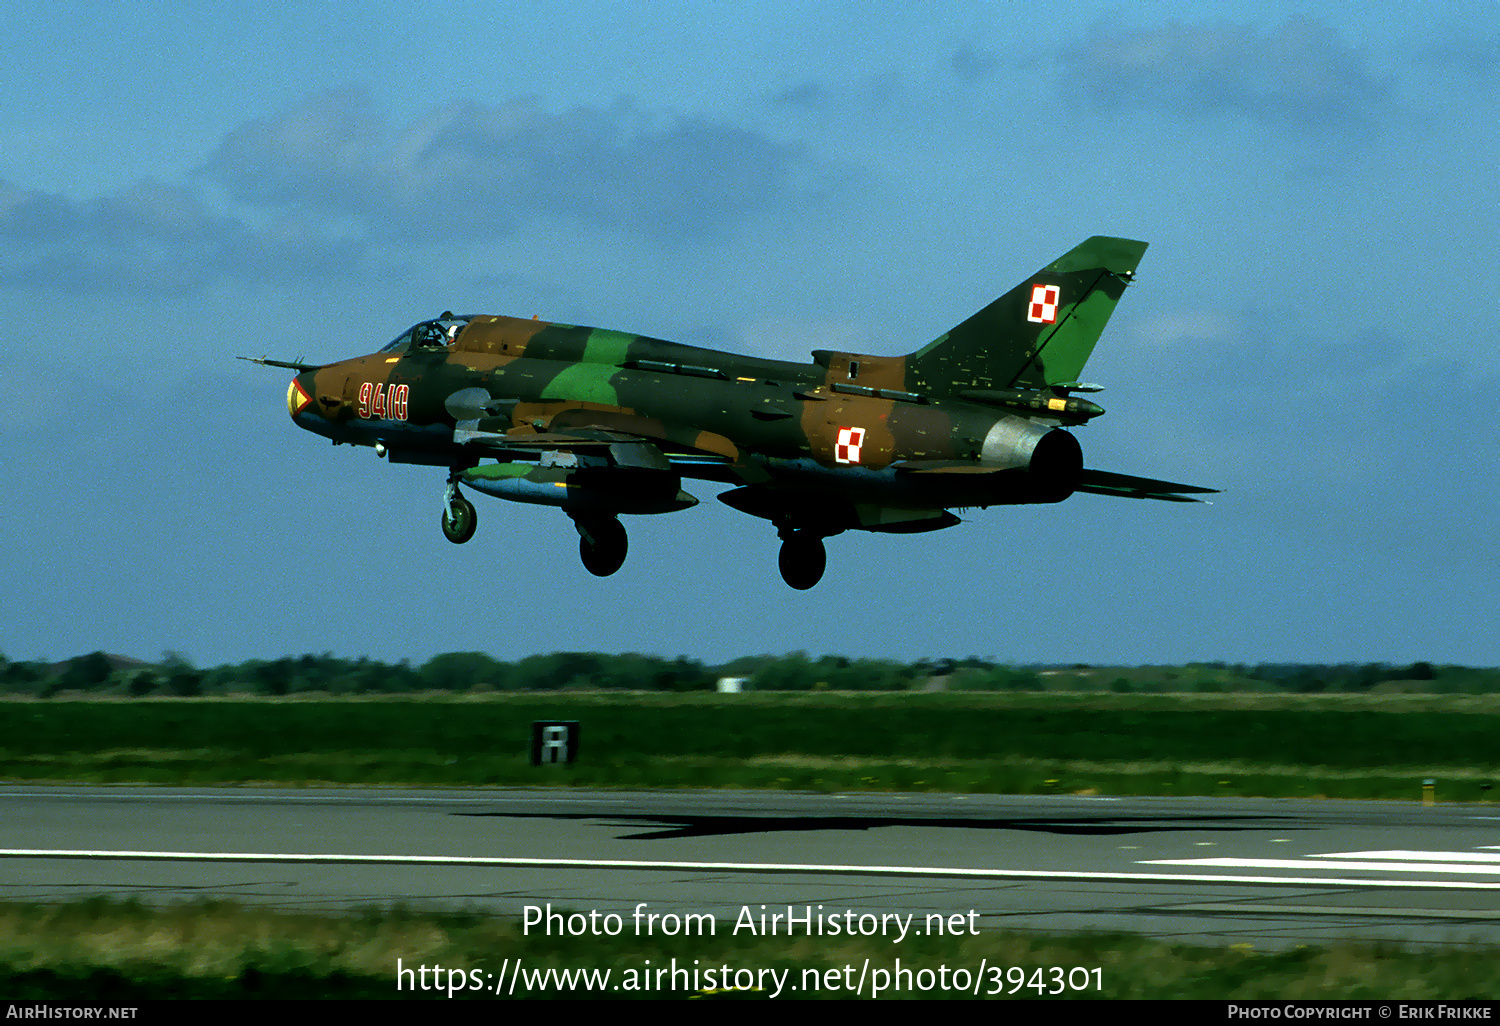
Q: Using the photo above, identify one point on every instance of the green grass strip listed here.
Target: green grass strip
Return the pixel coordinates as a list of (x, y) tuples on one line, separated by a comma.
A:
[(1270, 746), (102, 950)]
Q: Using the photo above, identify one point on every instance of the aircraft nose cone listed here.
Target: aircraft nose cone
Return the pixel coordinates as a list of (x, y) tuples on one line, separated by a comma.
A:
[(299, 394)]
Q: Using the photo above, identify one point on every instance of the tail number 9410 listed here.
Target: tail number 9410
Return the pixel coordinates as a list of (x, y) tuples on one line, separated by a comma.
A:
[(376, 401)]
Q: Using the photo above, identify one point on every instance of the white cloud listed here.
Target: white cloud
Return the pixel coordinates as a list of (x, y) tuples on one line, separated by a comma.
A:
[(1299, 73), (328, 186), (1185, 326), (482, 168)]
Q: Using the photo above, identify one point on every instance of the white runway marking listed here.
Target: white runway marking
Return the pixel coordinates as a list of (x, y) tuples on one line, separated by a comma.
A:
[(1471, 863), (1383, 867), (1413, 856), (473, 861)]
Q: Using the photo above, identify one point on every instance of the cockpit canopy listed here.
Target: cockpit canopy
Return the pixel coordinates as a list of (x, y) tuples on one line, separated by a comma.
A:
[(438, 333)]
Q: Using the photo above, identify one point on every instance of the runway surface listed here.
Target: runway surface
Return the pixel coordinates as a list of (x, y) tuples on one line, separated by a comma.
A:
[(1272, 873)]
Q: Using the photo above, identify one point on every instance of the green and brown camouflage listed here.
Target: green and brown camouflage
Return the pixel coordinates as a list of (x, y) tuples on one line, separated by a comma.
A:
[(600, 422)]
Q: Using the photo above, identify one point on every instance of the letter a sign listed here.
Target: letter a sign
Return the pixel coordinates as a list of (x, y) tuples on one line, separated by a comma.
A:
[(554, 742)]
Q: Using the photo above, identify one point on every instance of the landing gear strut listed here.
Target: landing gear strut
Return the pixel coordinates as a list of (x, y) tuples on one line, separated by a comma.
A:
[(802, 559), (459, 517), (602, 544)]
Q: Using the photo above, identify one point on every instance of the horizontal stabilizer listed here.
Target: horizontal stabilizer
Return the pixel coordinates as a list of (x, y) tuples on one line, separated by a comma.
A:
[(1102, 482), (946, 467)]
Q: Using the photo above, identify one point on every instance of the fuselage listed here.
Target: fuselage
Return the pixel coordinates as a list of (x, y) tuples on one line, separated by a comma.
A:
[(601, 423), (844, 422)]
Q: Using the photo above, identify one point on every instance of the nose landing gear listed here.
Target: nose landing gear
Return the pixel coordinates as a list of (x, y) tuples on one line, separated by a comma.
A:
[(460, 520)]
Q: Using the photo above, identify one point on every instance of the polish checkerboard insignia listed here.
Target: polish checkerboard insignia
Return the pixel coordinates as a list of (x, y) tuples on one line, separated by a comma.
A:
[(847, 450), (1043, 308)]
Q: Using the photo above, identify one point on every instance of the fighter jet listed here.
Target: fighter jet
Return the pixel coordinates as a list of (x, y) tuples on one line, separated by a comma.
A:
[(601, 423)]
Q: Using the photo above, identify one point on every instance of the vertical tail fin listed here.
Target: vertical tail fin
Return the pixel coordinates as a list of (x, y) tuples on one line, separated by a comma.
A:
[(1039, 333)]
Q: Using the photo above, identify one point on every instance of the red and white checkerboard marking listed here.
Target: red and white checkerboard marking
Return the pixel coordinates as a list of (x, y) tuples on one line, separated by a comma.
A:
[(1043, 308), (847, 450)]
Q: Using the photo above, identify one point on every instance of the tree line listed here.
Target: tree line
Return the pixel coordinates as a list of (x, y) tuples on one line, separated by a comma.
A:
[(98, 673)]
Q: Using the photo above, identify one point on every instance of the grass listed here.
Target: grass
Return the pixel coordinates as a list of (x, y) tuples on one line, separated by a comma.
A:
[(1350, 746), (1355, 746), (121, 951)]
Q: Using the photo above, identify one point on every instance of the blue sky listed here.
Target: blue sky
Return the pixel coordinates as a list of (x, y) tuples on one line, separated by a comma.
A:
[(1313, 331)]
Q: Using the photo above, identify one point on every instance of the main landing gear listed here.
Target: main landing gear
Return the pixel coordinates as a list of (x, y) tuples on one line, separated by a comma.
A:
[(602, 544), (802, 558)]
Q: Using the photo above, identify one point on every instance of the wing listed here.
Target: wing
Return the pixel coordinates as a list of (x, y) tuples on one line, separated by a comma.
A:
[(1102, 482), (1098, 482), (625, 438)]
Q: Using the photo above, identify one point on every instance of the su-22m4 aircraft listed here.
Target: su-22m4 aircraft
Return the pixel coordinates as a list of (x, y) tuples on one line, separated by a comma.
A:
[(601, 423)]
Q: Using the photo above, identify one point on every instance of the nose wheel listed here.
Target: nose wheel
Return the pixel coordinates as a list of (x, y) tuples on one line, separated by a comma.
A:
[(802, 559), (460, 520), (602, 545)]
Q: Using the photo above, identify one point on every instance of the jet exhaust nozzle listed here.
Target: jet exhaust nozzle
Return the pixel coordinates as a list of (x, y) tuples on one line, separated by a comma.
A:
[(1051, 457)]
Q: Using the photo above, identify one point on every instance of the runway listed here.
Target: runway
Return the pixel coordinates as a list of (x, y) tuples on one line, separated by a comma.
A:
[(1271, 873)]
